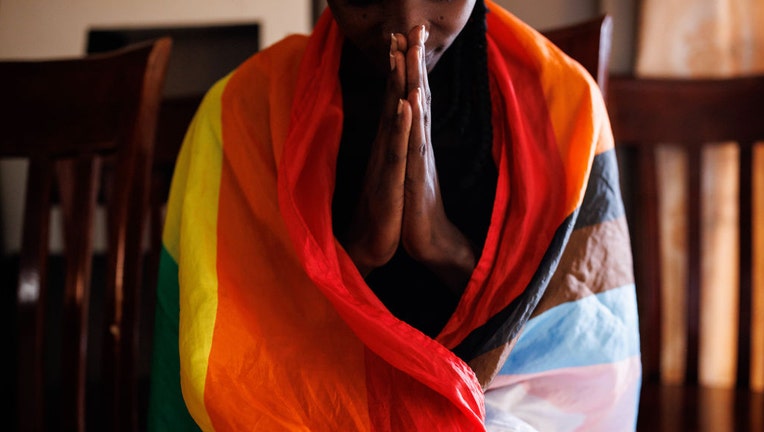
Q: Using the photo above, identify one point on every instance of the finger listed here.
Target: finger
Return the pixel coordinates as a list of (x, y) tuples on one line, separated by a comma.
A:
[(419, 149), (423, 59), (420, 185), (387, 168), (375, 231), (416, 72), (426, 96), (403, 43), (396, 82), (414, 59), (388, 123), (395, 156), (390, 126)]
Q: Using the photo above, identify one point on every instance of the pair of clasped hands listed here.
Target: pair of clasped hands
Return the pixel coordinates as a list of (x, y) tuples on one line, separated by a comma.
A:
[(401, 204)]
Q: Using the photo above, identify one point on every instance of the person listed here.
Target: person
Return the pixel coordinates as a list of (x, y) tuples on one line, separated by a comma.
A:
[(408, 220)]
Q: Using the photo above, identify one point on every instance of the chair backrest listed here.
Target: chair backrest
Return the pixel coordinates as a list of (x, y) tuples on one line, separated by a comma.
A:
[(690, 114), (200, 56), (589, 42), (78, 121)]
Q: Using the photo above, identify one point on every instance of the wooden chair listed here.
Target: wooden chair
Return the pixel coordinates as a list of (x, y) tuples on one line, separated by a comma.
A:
[(200, 56), (589, 42), (691, 114), (76, 120)]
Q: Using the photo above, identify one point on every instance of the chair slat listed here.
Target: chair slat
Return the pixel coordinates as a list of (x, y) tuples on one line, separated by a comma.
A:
[(649, 279), (31, 295), (745, 235), (694, 195), (82, 186)]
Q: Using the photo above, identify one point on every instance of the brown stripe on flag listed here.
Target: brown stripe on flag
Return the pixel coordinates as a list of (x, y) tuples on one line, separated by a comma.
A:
[(596, 259), (488, 365)]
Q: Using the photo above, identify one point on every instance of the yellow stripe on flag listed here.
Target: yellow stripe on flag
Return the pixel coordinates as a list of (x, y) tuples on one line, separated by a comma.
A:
[(199, 206)]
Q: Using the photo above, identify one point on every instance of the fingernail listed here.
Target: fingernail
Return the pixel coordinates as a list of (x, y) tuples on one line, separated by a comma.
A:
[(400, 106), (393, 48), (423, 34)]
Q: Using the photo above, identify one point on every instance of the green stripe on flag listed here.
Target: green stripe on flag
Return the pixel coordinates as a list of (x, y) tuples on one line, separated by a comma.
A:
[(167, 410)]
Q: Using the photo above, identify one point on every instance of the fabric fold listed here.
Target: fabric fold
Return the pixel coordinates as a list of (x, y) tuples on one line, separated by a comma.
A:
[(287, 335)]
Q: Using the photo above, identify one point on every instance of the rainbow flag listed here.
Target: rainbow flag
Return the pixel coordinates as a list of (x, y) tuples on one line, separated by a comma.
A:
[(264, 323)]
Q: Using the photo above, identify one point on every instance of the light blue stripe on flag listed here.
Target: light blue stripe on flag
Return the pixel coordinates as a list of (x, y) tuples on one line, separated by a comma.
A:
[(597, 329)]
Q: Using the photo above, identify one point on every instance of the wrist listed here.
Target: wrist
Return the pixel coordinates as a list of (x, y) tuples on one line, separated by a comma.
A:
[(367, 258), (451, 258)]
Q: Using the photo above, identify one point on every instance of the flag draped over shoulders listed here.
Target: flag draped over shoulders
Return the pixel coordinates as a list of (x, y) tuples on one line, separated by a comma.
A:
[(263, 322)]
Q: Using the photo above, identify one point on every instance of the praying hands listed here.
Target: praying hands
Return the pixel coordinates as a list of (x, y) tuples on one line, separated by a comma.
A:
[(401, 204)]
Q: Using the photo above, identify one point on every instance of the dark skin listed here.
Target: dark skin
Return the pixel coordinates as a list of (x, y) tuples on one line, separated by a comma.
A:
[(401, 203)]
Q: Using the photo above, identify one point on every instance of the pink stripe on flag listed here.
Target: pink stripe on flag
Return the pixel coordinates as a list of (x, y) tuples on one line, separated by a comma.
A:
[(602, 397)]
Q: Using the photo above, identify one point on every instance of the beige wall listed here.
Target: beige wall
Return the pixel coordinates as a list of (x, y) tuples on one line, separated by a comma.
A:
[(544, 14), (34, 28)]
